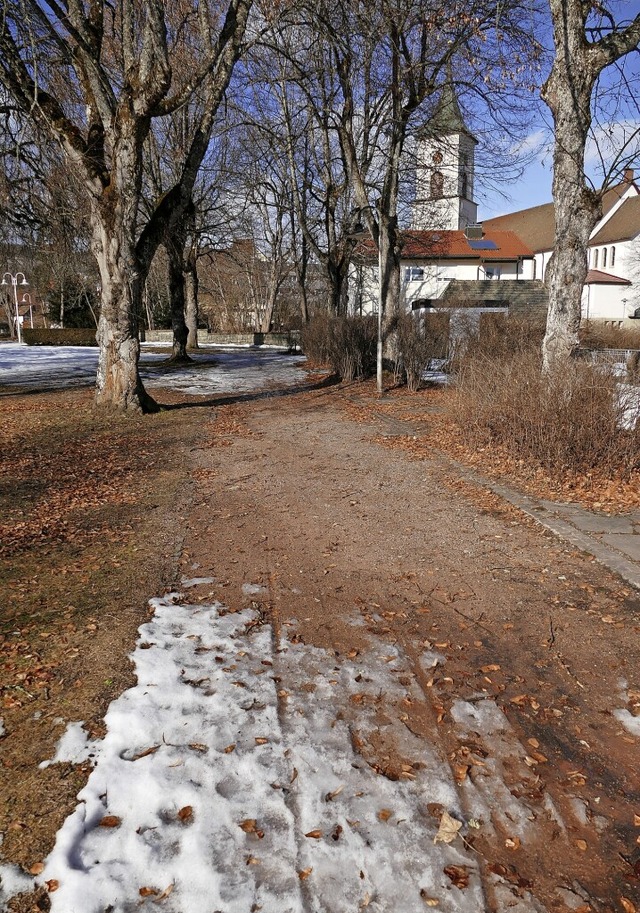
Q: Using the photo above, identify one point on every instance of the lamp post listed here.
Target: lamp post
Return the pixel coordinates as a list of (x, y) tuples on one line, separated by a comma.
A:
[(26, 299), (14, 283)]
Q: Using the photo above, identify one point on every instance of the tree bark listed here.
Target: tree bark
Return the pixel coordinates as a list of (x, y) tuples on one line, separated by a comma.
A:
[(568, 94), (191, 298), (177, 297)]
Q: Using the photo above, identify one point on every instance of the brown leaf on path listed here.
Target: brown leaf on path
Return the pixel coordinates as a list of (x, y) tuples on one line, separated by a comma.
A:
[(145, 753), (316, 834), (230, 748), (110, 821), (305, 873), (52, 885), (148, 892), (186, 814), (260, 740), (168, 890), (37, 868), (384, 814), (250, 826), (448, 830), (458, 875)]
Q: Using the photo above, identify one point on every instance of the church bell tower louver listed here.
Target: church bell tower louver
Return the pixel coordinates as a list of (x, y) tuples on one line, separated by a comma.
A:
[(445, 169)]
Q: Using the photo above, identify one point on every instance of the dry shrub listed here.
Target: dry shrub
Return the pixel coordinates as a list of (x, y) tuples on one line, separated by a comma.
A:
[(595, 335), (347, 344), (419, 338), (568, 423)]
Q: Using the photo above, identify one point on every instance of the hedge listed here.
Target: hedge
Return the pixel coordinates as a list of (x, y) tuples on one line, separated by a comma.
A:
[(70, 337)]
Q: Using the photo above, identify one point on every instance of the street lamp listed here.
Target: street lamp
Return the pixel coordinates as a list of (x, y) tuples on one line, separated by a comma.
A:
[(26, 299), (14, 283)]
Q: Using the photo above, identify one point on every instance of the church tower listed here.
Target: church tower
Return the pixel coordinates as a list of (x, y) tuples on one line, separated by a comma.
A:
[(445, 169)]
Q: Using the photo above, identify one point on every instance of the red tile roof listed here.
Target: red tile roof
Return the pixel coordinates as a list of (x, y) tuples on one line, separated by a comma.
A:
[(454, 245), (597, 277)]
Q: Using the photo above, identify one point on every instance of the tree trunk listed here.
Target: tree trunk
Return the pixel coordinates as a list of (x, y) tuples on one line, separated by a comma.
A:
[(177, 297), (118, 382), (577, 210), (191, 298)]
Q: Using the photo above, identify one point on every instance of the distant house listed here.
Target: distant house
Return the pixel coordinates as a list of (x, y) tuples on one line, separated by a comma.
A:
[(610, 293)]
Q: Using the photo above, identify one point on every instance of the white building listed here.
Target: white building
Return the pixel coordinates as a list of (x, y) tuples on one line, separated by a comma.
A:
[(448, 259), (611, 289)]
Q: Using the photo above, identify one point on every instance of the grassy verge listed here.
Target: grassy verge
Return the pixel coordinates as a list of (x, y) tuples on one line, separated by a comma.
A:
[(91, 509)]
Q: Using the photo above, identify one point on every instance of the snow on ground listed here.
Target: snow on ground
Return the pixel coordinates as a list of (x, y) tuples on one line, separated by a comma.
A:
[(230, 779), (216, 788), (213, 370)]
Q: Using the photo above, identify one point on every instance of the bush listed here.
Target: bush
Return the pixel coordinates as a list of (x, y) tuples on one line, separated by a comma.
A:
[(574, 422), (346, 344), (604, 336), (63, 337), (419, 338)]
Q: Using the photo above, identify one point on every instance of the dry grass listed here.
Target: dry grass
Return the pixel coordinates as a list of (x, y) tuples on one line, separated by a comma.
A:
[(346, 344), (567, 424)]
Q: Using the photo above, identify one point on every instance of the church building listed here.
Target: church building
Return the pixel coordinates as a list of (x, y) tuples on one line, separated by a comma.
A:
[(451, 260)]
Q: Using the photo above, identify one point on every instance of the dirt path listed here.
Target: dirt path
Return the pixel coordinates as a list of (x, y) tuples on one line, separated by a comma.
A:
[(513, 656)]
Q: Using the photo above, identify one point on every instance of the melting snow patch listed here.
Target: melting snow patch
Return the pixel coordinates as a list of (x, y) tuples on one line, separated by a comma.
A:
[(253, 589), (188, 582), (13, 881), (73, 746), (2, 729), (217, 787)]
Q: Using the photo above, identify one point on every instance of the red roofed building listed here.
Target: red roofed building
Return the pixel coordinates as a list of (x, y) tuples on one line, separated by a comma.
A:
[(449, 260), (610, 293)]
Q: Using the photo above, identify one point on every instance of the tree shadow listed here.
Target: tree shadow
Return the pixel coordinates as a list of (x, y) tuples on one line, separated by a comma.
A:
[(250, 396)]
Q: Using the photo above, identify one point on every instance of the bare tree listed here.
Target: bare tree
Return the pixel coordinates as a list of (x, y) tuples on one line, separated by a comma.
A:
[(95, 76), (588, 38)]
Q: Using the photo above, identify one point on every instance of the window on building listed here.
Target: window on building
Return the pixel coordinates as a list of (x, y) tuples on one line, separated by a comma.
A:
[(595, 259), (437, 185), (604, 257), (492, 272), (613, 256), (535, 267), (414, 274)]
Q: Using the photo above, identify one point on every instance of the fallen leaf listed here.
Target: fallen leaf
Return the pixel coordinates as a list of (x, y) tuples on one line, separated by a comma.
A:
[(332, 795), (448, 830), (512, 843), (627, 905), (145, 753), (186, 814), (492, 667), (261, 741), (305, 873), (458, 875), (37, 868), (384, 814), (148, 892), (168, 890), (581, 844), (252, 860), (110, 821), (534, 743), (230, 748), (337, 831), (316, 834), (198, 746), (460, 772), (636, 820), (430, 901)]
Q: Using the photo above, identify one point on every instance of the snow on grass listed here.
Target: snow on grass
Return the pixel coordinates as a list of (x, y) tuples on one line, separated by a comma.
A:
[(232, 777), (212, 371), (630, 722)]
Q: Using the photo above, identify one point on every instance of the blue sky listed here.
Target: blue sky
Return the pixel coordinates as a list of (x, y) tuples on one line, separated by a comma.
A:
[(614, 125)]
